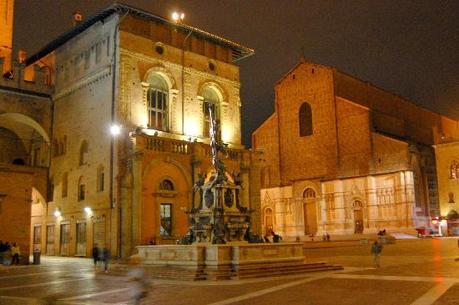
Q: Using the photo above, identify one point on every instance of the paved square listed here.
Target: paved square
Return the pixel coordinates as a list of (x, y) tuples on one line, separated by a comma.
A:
[(413, 272)]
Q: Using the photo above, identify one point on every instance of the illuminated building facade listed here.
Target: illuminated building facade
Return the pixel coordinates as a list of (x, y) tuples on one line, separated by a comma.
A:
[(154, 80), (345, 157)]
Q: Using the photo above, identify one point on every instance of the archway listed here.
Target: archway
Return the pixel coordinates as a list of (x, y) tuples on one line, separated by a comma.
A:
[(27, 141), (309, 212), (165, 199)]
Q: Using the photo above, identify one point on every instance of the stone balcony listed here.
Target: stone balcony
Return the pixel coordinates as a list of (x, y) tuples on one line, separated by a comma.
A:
[(166, 145)]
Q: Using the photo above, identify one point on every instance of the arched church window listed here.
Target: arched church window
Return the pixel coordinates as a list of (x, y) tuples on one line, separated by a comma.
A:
[(211, 103), (166, 185), (309, 193), (81, 189), (305, 120), (83, 152), (454, 170), (157, 102)]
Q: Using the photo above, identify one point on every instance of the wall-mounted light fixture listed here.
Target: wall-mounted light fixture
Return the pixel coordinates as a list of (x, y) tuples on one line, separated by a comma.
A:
[(57, 213), (88, 210)]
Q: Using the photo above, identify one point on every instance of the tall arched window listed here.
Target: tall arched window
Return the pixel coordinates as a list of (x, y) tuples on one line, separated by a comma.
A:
[(157, 102), (81, 189), (83, 152), (305, 120), (211, 101)]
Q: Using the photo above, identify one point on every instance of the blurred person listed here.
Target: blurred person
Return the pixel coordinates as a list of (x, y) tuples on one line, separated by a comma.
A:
[(105, 258), (95, 255), (140, 282), (376, 250)]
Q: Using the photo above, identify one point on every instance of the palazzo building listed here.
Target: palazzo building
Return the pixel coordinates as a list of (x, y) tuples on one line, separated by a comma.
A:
[(128, 98), (343, 156)]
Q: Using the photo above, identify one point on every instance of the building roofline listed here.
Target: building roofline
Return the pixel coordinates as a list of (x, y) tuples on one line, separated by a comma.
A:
[(240, 51)]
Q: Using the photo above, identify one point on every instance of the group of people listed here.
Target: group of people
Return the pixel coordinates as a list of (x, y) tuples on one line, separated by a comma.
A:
[(102, 255), (9, 253), (272, 237)]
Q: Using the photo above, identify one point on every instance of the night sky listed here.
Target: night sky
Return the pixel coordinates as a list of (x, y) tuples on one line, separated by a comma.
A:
[(410, 48)]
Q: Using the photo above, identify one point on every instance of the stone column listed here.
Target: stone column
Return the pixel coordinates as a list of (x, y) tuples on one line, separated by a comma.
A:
[(372, 202), (136, 212)]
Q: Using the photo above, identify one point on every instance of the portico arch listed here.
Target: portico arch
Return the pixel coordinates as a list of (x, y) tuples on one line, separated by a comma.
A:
[(8, 120)]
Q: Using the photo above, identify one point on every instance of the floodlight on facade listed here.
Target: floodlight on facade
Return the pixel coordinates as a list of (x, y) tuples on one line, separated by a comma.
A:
[(57, 213), (88, 210), (178, 17)]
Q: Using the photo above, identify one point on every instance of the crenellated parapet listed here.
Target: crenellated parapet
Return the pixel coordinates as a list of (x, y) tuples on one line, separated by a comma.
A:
[(32, 78)]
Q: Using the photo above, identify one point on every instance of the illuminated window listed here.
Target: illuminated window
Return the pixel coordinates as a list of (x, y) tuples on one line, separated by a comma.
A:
[(83, 152), (305, 120), (454, 170), (157, 105), (166, 219), (211, 102)]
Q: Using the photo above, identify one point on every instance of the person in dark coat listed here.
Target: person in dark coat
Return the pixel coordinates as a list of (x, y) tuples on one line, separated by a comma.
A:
[(95, 255), (105, 258)]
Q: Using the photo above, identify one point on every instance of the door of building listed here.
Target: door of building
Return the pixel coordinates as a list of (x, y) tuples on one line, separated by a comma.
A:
[(309, 212), (37, 237), (65, 239), (358, 217), (50, 240), (81, 238), (99, 233)]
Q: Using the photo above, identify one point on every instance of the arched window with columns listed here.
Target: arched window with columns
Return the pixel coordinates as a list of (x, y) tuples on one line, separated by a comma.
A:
[(158, 102), (211, 100)]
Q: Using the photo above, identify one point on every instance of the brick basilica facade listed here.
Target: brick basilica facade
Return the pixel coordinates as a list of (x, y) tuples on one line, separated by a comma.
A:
[(342, 156)]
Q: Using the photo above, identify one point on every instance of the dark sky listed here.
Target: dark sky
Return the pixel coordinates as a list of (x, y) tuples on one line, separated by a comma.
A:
[(410, 48)]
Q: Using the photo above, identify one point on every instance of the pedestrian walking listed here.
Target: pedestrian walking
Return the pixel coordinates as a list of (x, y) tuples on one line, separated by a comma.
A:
[(15, 252), (105, 258), (376, 249), (95, 255), (140, 283)]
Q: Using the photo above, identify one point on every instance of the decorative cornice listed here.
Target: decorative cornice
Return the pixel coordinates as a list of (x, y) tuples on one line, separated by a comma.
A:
[(166, 63)]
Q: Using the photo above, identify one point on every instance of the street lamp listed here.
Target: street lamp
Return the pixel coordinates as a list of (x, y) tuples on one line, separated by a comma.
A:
[(57, 213)]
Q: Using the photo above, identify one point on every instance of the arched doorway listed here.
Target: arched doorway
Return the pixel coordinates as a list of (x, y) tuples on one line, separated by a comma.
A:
[(309, 212), (358, 216), (268, 220)]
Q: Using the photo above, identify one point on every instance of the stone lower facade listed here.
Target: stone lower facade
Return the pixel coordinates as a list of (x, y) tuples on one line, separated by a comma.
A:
[(343, 206)]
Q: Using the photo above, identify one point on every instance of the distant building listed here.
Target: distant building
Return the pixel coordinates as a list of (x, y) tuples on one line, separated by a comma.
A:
[(155, 80), (343, 156)]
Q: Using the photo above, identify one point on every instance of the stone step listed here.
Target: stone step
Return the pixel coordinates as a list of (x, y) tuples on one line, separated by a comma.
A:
[(280, 272)]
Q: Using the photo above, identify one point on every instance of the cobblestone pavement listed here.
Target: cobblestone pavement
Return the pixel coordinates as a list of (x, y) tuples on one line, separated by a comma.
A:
[(412, 272)]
